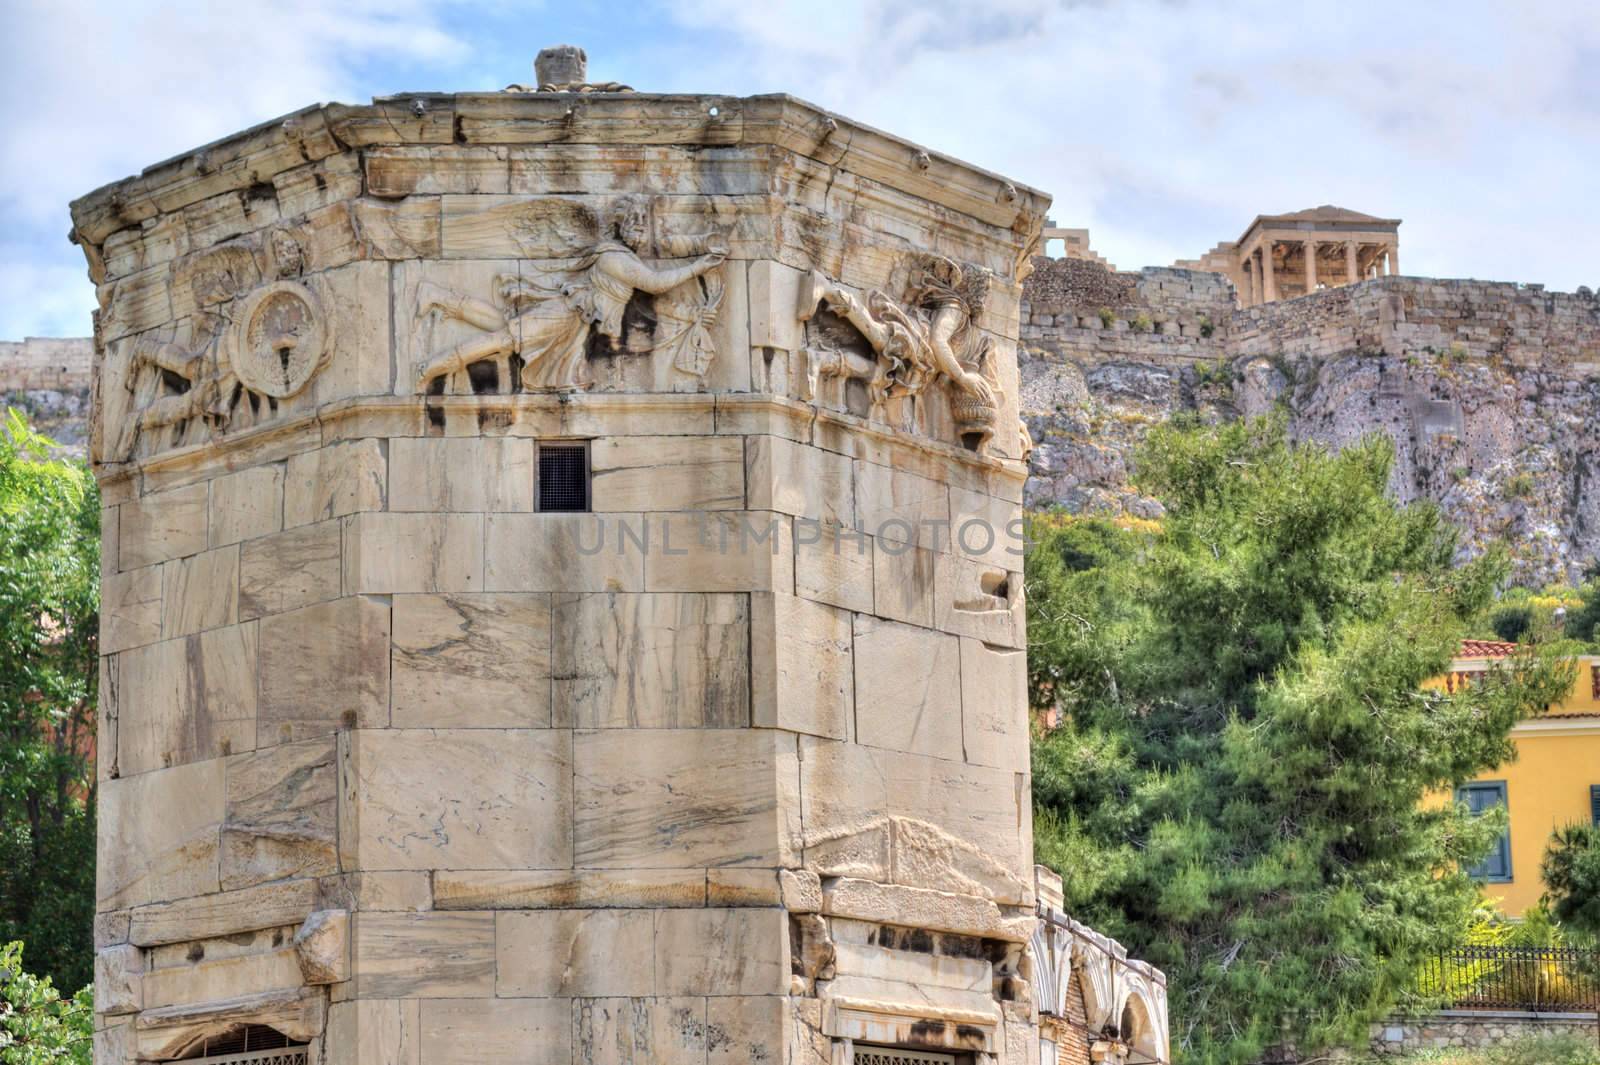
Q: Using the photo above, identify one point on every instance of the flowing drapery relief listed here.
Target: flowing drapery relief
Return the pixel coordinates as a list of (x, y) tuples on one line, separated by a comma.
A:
[(929, 340), (543, 324)]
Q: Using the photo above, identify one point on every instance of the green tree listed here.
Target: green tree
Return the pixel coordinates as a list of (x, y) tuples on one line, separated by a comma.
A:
[(1238, 790), (1583, 622), (1571, 872), (49, 596), (37, 1025), (1511, 622)]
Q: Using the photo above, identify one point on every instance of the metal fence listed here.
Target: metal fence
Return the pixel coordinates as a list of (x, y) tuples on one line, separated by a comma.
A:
[(1548, 979)]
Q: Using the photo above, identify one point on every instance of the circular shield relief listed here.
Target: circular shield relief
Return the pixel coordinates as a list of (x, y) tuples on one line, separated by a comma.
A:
[(280, 339)]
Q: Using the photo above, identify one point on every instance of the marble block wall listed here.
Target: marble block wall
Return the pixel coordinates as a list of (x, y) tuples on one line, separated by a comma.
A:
[(730, 765)]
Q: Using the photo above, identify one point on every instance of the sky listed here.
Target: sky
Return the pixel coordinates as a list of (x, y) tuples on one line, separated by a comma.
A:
[(1163, 126)]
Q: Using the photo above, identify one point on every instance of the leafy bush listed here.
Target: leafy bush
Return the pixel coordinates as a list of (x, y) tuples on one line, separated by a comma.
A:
[(1218, 373), (37, 1025), (1548, 1050), (1528, 615), (1583, 618), (1511, 622), (49, 621)]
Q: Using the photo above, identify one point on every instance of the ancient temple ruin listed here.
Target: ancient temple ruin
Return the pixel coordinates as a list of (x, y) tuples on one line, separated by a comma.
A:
[(562, 593), (1281, 256)]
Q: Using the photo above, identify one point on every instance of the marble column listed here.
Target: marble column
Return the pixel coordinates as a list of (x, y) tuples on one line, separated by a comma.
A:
[(1310, 248), (1269, 284), (1352, 271), (1392, 256), (1247, 291)]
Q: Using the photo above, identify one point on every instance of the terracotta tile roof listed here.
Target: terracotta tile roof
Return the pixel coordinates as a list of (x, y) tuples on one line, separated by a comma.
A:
[(1487, 649)]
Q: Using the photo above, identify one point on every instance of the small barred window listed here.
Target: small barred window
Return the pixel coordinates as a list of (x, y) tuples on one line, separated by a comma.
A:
[(865, 1055), (563, 477)]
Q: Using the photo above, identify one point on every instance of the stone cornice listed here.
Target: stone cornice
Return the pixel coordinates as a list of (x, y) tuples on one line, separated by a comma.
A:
[(1558, 725), (254, 156)]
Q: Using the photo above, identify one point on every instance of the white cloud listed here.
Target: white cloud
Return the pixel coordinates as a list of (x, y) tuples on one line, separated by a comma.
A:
[(101, 90), (1166, 126), (115, 87), (1163, 125), (43, 298)]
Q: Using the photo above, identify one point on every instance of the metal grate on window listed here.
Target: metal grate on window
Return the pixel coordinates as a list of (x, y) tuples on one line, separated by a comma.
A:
[(253, 1044), (892, 1056), (563, 477), (286, 1056)]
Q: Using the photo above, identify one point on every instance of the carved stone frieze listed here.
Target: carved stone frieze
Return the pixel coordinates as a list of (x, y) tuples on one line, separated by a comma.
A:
[(279, 340), (599, 297), (904, 351), (246, 346)]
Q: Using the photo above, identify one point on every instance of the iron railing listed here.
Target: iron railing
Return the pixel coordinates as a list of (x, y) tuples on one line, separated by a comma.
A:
[(1540, 979)]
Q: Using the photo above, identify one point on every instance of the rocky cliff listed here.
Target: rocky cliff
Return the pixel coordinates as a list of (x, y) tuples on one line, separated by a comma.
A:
[(1490, 392)]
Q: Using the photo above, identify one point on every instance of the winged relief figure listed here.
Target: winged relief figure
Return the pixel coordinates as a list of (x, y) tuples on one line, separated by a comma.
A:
[(930, 338), (547, 319)]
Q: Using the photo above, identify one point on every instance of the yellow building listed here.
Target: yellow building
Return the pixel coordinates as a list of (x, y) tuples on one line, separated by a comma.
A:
[(1554, 781)]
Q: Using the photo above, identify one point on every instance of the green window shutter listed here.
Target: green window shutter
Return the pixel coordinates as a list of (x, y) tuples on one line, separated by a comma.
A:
[(1480, 796), (1594, 803)]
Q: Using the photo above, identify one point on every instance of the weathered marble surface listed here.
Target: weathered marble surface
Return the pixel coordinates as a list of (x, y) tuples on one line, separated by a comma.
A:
[(471, 661), (679, 798), (281, 814), (495, 798), (323, 668), (420, 774), (670, 660), (288, 570)]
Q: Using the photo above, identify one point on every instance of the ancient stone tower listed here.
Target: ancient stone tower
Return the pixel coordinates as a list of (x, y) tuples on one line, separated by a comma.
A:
[(561, 589)]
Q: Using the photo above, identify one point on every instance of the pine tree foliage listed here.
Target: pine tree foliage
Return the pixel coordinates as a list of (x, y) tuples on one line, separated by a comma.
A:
[(1238, 789), (1571, 874)]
